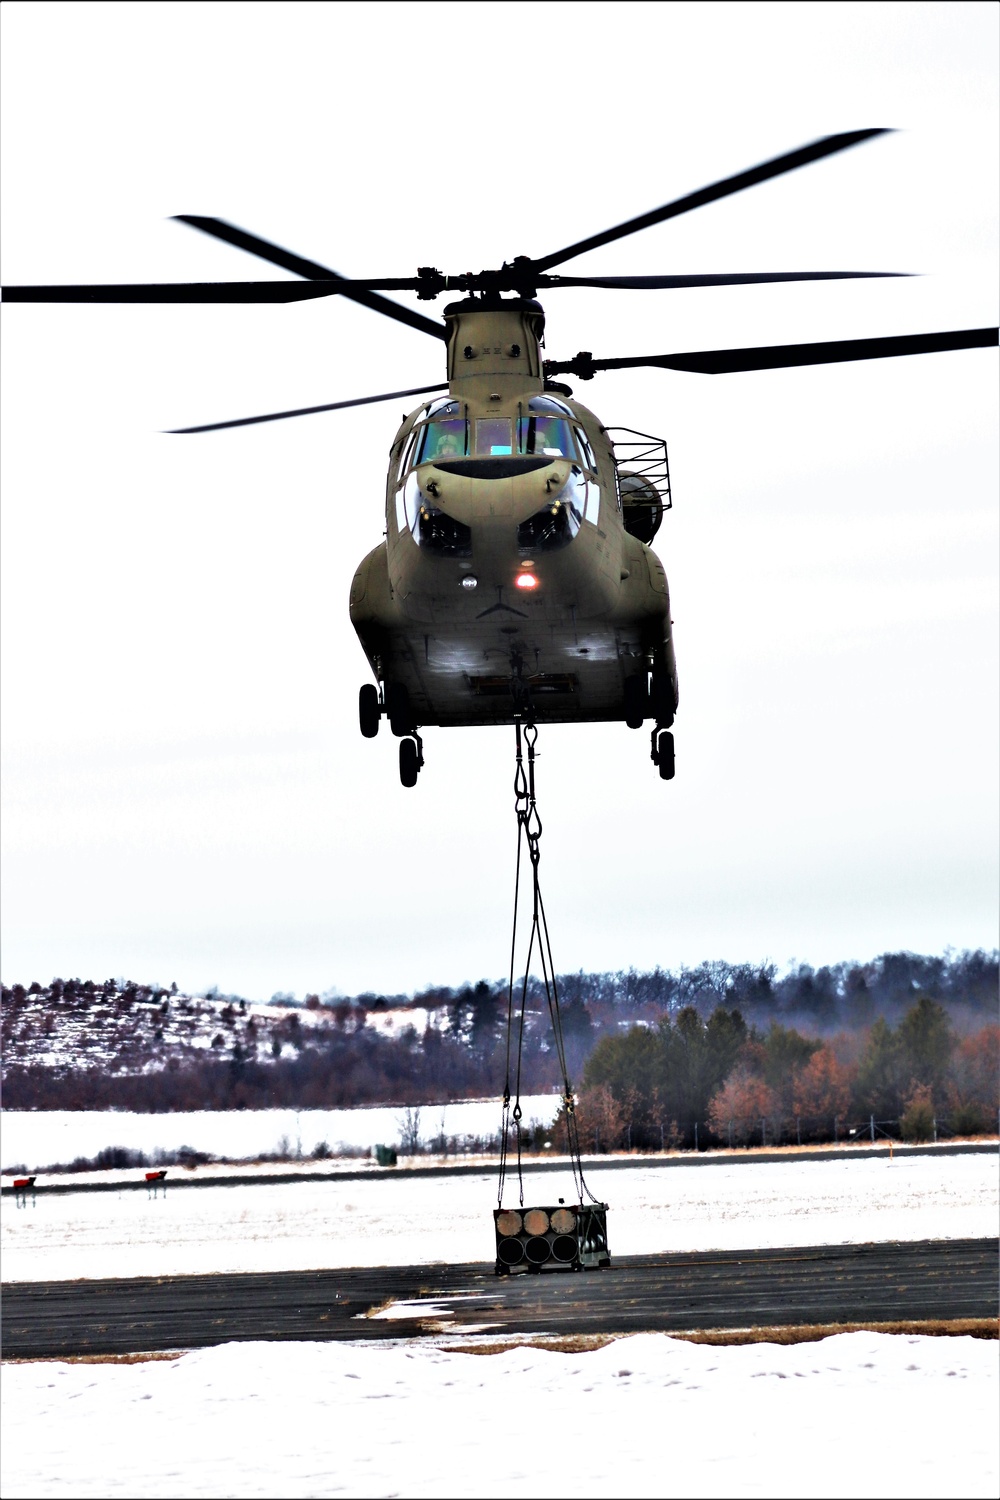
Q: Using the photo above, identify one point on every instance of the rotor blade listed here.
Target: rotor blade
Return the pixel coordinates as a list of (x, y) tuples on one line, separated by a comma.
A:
[(308, 411), (190, 291), (827, 146), (311, 270), (750, 278), (784, 356)]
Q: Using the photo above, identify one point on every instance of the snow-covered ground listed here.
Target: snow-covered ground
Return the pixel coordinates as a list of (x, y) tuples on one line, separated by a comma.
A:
[(856, 1414), (727, 1205), (34, 1139)]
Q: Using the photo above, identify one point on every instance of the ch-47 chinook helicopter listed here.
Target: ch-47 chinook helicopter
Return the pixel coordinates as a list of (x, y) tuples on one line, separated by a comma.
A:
[(516, 581)]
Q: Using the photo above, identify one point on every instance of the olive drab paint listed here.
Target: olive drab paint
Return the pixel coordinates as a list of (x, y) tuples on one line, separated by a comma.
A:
[(507, 585)]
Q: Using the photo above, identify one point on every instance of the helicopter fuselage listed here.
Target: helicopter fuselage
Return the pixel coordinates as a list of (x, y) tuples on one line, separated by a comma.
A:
[(507, 585)]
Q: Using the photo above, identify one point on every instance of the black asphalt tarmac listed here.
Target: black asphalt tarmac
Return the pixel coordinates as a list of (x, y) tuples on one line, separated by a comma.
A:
[(877, 1283)]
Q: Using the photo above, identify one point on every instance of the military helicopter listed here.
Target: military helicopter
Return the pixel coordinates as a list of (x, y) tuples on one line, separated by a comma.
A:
[(516, 582)]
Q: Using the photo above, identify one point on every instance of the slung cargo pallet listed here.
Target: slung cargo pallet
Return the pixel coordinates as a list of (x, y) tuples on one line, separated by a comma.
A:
[(558, 1238)]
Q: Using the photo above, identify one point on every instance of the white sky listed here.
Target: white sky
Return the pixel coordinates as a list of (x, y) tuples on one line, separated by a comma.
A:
[(187, 793)]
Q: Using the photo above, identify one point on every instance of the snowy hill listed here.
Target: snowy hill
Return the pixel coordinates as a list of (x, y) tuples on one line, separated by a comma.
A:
[(125, 1028)]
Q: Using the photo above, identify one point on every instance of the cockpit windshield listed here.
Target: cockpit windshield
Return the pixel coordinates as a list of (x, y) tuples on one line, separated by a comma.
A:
[(444, 435), (545, 429)]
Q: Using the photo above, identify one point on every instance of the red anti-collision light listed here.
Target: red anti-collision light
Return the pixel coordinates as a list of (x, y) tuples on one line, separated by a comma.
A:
[(526, 581)]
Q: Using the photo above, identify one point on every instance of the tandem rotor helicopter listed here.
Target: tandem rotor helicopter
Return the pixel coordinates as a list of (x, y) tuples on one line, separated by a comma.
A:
[(516, 582)]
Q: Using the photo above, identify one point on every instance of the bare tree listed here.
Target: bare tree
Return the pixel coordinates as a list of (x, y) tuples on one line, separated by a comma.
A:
[(408, 1125)]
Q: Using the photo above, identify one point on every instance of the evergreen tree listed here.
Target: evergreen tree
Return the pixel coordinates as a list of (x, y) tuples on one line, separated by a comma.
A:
[(879, 1079), (926, 1043)]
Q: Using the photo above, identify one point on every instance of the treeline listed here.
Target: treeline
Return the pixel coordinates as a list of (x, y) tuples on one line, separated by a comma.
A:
[(835, 997), (82, 990), (693, 1081), (729, 1051)]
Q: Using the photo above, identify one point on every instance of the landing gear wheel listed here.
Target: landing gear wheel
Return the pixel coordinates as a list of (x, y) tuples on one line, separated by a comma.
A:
[(665, 754), (397, 702), (409, 762), (636, 700), (369, 710)]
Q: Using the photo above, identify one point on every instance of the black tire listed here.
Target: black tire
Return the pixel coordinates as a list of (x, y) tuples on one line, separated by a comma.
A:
[(397, 702), (665, 755), (662, 700), (636, 701), (409, 762), (369, 710)]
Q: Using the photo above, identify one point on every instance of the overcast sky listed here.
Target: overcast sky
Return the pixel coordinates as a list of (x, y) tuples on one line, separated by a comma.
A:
[(187, 795)]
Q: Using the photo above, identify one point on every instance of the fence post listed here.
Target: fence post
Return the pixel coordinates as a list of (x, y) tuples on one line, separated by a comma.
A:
[(935, 1130), (730, 1135), (798, 1132), (835, 1130), (696, 1135), (763, 1132), (871, 1122)]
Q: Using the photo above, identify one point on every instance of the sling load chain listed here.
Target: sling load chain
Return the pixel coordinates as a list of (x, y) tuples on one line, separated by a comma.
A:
[(529, 831)]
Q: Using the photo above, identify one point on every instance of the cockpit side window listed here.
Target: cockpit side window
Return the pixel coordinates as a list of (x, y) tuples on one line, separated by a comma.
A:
[(545, 434), (442, 440), (585, 450), (444, 435), (406, 453), (545, 429)]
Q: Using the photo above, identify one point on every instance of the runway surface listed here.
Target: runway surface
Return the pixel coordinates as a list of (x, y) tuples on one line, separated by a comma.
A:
[(876, 1283)]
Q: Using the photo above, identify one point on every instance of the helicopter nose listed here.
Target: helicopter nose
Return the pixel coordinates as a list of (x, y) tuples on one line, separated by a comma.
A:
[(511, 498)]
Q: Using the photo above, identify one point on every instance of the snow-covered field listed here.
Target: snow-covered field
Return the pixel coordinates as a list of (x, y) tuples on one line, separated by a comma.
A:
[(856, 1414), (34, 1139), (409, 1220)]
